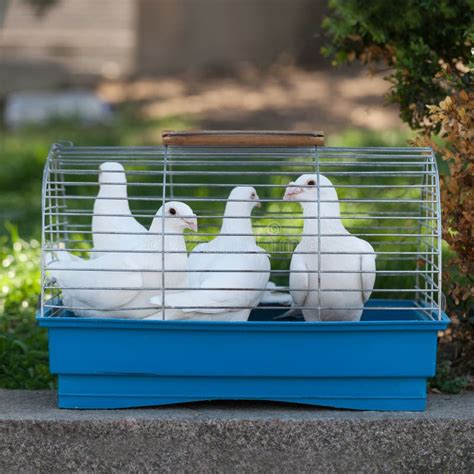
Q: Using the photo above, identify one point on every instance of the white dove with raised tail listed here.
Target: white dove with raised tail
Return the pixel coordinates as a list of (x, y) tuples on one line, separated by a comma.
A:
[(347, 263), (113, 225), (228, 276), (120, 284)]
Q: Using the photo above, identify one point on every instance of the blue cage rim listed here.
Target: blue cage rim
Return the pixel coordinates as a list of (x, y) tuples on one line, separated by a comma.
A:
[(420, 320)]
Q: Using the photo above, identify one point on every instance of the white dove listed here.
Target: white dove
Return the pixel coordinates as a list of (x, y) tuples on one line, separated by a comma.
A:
[(132, 277), (347, 262), (113, 225), (228, 275)]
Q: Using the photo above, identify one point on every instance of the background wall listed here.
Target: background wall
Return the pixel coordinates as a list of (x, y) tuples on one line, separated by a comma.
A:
[(73, 42), (178, 35), (78, 40)]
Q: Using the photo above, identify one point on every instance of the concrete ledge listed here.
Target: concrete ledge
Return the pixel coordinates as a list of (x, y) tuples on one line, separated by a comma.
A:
[(234, 437)]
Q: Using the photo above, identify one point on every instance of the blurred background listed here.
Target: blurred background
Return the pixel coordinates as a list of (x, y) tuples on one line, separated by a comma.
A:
[(121, 71), (118, 72)]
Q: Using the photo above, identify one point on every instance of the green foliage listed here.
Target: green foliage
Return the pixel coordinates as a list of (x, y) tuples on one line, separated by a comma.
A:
[(24, 153), (455, 118), (446, 381), (23, 346), (415, 38), (353, 137)]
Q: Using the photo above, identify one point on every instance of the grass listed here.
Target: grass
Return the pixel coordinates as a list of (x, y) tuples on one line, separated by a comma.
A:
[(23, 346)]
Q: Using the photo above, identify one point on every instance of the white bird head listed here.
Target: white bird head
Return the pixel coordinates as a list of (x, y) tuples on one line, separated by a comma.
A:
[(305, 188), (112, 172), (244, 197), (179, 216)]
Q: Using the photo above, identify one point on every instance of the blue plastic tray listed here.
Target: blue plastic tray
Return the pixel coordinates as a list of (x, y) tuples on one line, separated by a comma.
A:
[(379, 363)]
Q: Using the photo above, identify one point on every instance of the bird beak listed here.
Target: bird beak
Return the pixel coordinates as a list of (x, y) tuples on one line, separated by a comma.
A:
[(257, 201), (291, 191), (191, 224)]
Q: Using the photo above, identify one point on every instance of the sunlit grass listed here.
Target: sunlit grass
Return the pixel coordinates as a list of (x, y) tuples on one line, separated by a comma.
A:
[(23, 345)]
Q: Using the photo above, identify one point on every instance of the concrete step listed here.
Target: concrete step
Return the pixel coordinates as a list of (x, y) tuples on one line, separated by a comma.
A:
[(35, 436)]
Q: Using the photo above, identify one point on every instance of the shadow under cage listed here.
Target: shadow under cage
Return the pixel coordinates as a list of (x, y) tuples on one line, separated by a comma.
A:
[(310, 274)]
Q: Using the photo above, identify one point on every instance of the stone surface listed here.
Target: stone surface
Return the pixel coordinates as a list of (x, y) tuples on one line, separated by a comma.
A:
[(234, 437)]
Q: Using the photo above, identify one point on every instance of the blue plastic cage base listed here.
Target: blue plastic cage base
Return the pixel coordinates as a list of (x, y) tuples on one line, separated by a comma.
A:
[(115, 391), (379, 363)]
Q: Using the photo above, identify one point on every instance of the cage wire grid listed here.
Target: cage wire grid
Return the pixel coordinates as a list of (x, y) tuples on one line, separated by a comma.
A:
[(388, 197)]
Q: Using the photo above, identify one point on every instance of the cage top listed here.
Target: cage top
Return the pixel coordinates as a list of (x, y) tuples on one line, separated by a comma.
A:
[(402, 155), (66, 146), (389, 197), (242, 138)]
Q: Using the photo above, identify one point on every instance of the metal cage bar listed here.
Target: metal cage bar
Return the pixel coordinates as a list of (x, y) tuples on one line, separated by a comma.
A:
[(388, 196)]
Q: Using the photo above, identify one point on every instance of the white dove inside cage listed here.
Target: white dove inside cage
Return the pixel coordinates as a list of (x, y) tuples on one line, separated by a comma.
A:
[(272, 233)]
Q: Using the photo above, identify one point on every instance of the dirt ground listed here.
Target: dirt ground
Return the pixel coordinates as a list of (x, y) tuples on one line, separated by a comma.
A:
[(286, 98)]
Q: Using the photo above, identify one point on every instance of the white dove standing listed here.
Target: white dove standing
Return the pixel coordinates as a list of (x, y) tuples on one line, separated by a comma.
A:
[(347, 262), (228, 275), (113, 225), (131, 278)]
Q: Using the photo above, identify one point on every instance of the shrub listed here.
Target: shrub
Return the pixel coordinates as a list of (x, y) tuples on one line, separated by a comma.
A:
[(455, 118), (414, 39)]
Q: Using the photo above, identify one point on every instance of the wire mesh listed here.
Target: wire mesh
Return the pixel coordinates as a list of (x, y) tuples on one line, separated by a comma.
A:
[(388, 197)]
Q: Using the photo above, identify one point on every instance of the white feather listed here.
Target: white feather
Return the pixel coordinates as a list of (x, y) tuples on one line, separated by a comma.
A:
[(117, 284), (346, 263), (113, 225), (228, 275), (276, 296)]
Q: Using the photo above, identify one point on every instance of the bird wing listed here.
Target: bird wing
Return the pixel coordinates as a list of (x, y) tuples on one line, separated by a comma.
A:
[(221, 292), (240, 288), (368, 268), (367, 264), (273, 295), (298, 281), (198, 301), (214, 300), (198, 261), (78, 273)]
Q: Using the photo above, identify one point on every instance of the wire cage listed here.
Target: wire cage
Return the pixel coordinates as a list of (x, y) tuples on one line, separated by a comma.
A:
[(353, 325)]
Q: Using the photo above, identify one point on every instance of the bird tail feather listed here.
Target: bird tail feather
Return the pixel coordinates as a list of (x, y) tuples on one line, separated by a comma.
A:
[(202, 301), (291, 313)]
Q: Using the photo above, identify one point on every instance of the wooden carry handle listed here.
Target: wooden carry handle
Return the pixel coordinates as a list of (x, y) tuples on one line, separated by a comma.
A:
[(242, 138)]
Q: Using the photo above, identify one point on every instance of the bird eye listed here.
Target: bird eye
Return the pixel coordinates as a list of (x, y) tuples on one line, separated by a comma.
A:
[(172, 211), (311, 182), (252, 196)]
